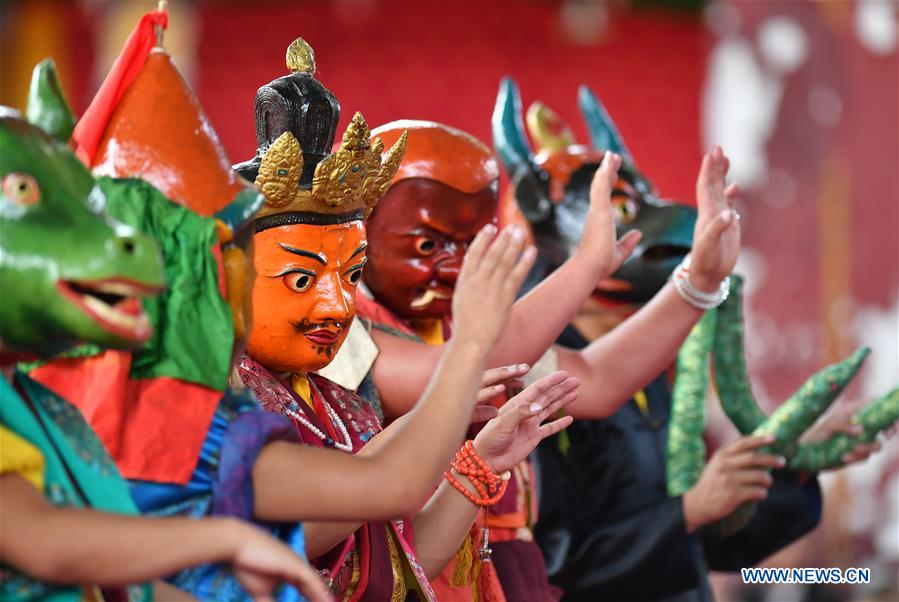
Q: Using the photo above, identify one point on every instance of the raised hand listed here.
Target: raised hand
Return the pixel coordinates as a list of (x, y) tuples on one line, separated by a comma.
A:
[(262, 563), (495, 382), (716, 237), (489, 280), (735, 474), (842, 421), (505, 379), (598, 242), (510, 437)]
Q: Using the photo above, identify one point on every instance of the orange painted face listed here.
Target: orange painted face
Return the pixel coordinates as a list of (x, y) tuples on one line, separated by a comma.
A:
[(304, 295)]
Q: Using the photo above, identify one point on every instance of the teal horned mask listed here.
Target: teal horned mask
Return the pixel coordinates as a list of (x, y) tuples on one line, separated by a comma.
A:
[(68, 273)]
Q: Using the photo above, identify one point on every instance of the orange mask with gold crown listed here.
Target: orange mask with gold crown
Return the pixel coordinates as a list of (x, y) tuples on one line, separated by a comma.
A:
[(444, 192), (310, 241)]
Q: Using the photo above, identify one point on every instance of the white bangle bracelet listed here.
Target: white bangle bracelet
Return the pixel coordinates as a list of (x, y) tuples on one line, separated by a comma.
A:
[(692, 295)]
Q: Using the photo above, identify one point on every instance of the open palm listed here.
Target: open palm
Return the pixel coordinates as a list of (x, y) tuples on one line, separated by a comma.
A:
[(716, 237), (598, 242), (510, 437)]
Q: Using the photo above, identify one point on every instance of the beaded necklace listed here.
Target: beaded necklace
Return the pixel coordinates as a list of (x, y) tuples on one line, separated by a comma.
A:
[(333, 416)]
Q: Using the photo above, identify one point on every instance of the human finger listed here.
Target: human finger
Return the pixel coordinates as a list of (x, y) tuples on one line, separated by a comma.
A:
[(495, 253), (604, 177), (747, 443), (521, 269), (863, 451), (554, 394), (557, 405), (717, 226), (627, 243), (754, 477), (305, 579), (485, 394), (755, 459), (514, 385), (476, 250), (847, 425), (511, 255), (551, 428), (750, 493), (532, 399), (495, 376), (483, 413), (710, 183)]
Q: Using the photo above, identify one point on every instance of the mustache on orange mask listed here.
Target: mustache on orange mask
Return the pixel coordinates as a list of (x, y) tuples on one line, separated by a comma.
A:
[(304, 325)]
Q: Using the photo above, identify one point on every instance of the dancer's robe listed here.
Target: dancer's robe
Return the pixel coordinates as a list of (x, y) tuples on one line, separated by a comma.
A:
[(378, 561), (518, 562), (44, 439), (608, 529)]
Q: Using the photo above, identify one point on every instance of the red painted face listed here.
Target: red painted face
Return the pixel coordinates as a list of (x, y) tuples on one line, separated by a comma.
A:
[(418, 236), (304, 295)]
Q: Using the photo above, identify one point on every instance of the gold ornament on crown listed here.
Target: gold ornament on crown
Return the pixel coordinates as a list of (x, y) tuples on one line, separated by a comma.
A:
[(352, 178), (300, 57)]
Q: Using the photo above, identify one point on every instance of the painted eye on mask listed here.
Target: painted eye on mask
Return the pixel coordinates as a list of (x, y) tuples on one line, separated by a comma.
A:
[(21, 188), (425, 245), (354, 276), (626, 210), (298, 281)]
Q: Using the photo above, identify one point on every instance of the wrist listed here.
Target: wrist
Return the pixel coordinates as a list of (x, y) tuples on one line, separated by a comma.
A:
[(479, 446), (470, 343), (706, 284), (588, 265), (230, 533), (693, 518), (463, 480), (484, 487), (708, 295)]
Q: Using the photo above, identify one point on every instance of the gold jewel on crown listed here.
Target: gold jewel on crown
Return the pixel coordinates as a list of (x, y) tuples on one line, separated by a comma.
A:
[(352, 178)]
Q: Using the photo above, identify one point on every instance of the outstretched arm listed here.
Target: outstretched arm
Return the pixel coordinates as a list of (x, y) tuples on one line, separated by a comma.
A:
[(323, 536), (616, 365), (292, 482), (619, 363), (402, 367), (76, 546), (505, 441), (547, 309)]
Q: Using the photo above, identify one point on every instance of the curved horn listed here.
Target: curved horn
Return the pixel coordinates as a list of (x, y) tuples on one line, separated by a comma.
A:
[(511, 143), (603, 133), (47, 106), (509, 137)]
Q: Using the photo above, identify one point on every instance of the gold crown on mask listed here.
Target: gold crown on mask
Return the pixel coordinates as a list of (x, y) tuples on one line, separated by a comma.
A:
[(352, 178)]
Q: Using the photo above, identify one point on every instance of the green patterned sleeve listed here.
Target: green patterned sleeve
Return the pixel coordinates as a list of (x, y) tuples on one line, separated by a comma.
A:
[(686, 448), (875, 417), (731, 376), (803, 408)]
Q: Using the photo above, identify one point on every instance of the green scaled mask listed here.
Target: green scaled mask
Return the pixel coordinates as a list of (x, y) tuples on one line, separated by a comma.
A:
[(67, 272)]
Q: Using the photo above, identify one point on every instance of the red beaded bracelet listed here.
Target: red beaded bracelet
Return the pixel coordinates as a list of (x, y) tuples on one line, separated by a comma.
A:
[(489, 485)]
